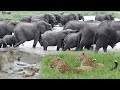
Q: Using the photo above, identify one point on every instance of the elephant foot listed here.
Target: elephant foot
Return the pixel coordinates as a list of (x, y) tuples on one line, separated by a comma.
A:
[(34, 47)]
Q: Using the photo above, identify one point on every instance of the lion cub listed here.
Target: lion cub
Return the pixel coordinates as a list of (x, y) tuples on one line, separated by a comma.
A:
[(7, 60), (86, 61)]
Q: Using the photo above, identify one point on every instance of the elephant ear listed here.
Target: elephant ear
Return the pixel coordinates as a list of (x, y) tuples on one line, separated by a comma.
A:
[(11, 25), (47, 17), (41, 27)]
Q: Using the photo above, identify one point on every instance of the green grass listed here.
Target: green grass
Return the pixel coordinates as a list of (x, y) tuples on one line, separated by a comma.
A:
[(16, 15), (70, 57)]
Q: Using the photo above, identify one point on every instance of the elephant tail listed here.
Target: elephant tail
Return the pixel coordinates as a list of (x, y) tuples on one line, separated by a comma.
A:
[(115, 65)]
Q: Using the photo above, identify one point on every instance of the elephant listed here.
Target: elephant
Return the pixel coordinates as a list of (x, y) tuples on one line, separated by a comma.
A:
[(8, 40), (7, 27), (77, 25), (108, 33), (26, 19), (6, 12), (3, 19), (67, 17), (81, 17), (102, 17), (30, 31), (46, 17), (70, 41), (85, 36), (54, 38), (57, 16)]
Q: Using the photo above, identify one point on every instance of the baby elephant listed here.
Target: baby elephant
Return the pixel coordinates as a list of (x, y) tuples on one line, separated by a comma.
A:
[(7, 40)]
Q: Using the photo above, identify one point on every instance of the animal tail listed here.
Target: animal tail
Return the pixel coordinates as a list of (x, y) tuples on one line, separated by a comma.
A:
[(115, 65)]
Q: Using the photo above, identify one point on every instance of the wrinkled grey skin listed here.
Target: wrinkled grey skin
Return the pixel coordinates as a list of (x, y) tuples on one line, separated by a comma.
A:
[(87, 36), (3, 19), (46, 17), (84, 37), (36, 20), (70, 41), (63, 18), (108, 33), (8, 40), (57, 16), (6, 12), (7, 27), (26, 19), (30, 31), (77, 25), (53, 38), (103, 17), (67, 17)]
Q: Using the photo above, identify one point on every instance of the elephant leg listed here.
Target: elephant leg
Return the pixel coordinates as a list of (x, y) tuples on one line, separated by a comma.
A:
[(45, 48), (65, 47), (40, 42), (10, 45), (21, 42), (62, 46), (97, 47), (101, 42), (105, 48), (88, 47), (59, 45), (4, 45), (34, 44), (80, 47), (36, 38), (45, 45), (78, 42)]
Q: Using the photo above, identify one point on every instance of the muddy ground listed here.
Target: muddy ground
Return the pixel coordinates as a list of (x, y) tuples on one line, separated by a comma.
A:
[(34, 55)]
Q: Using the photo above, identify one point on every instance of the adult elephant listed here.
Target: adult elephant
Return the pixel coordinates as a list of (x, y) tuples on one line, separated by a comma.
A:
[(30, 31), (103, 17), (108, 33), (83, 38), (7, 27), (25, 19), (77, 25), (54, 38), (81, 17), (57, 16), (67, 17), (46, 17)]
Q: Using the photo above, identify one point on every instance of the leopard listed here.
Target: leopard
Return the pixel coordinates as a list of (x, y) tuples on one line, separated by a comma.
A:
[(62, 66), (59, 64), (87, 61)]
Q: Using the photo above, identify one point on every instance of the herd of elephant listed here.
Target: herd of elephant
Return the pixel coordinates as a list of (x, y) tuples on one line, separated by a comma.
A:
[(102, 31)]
